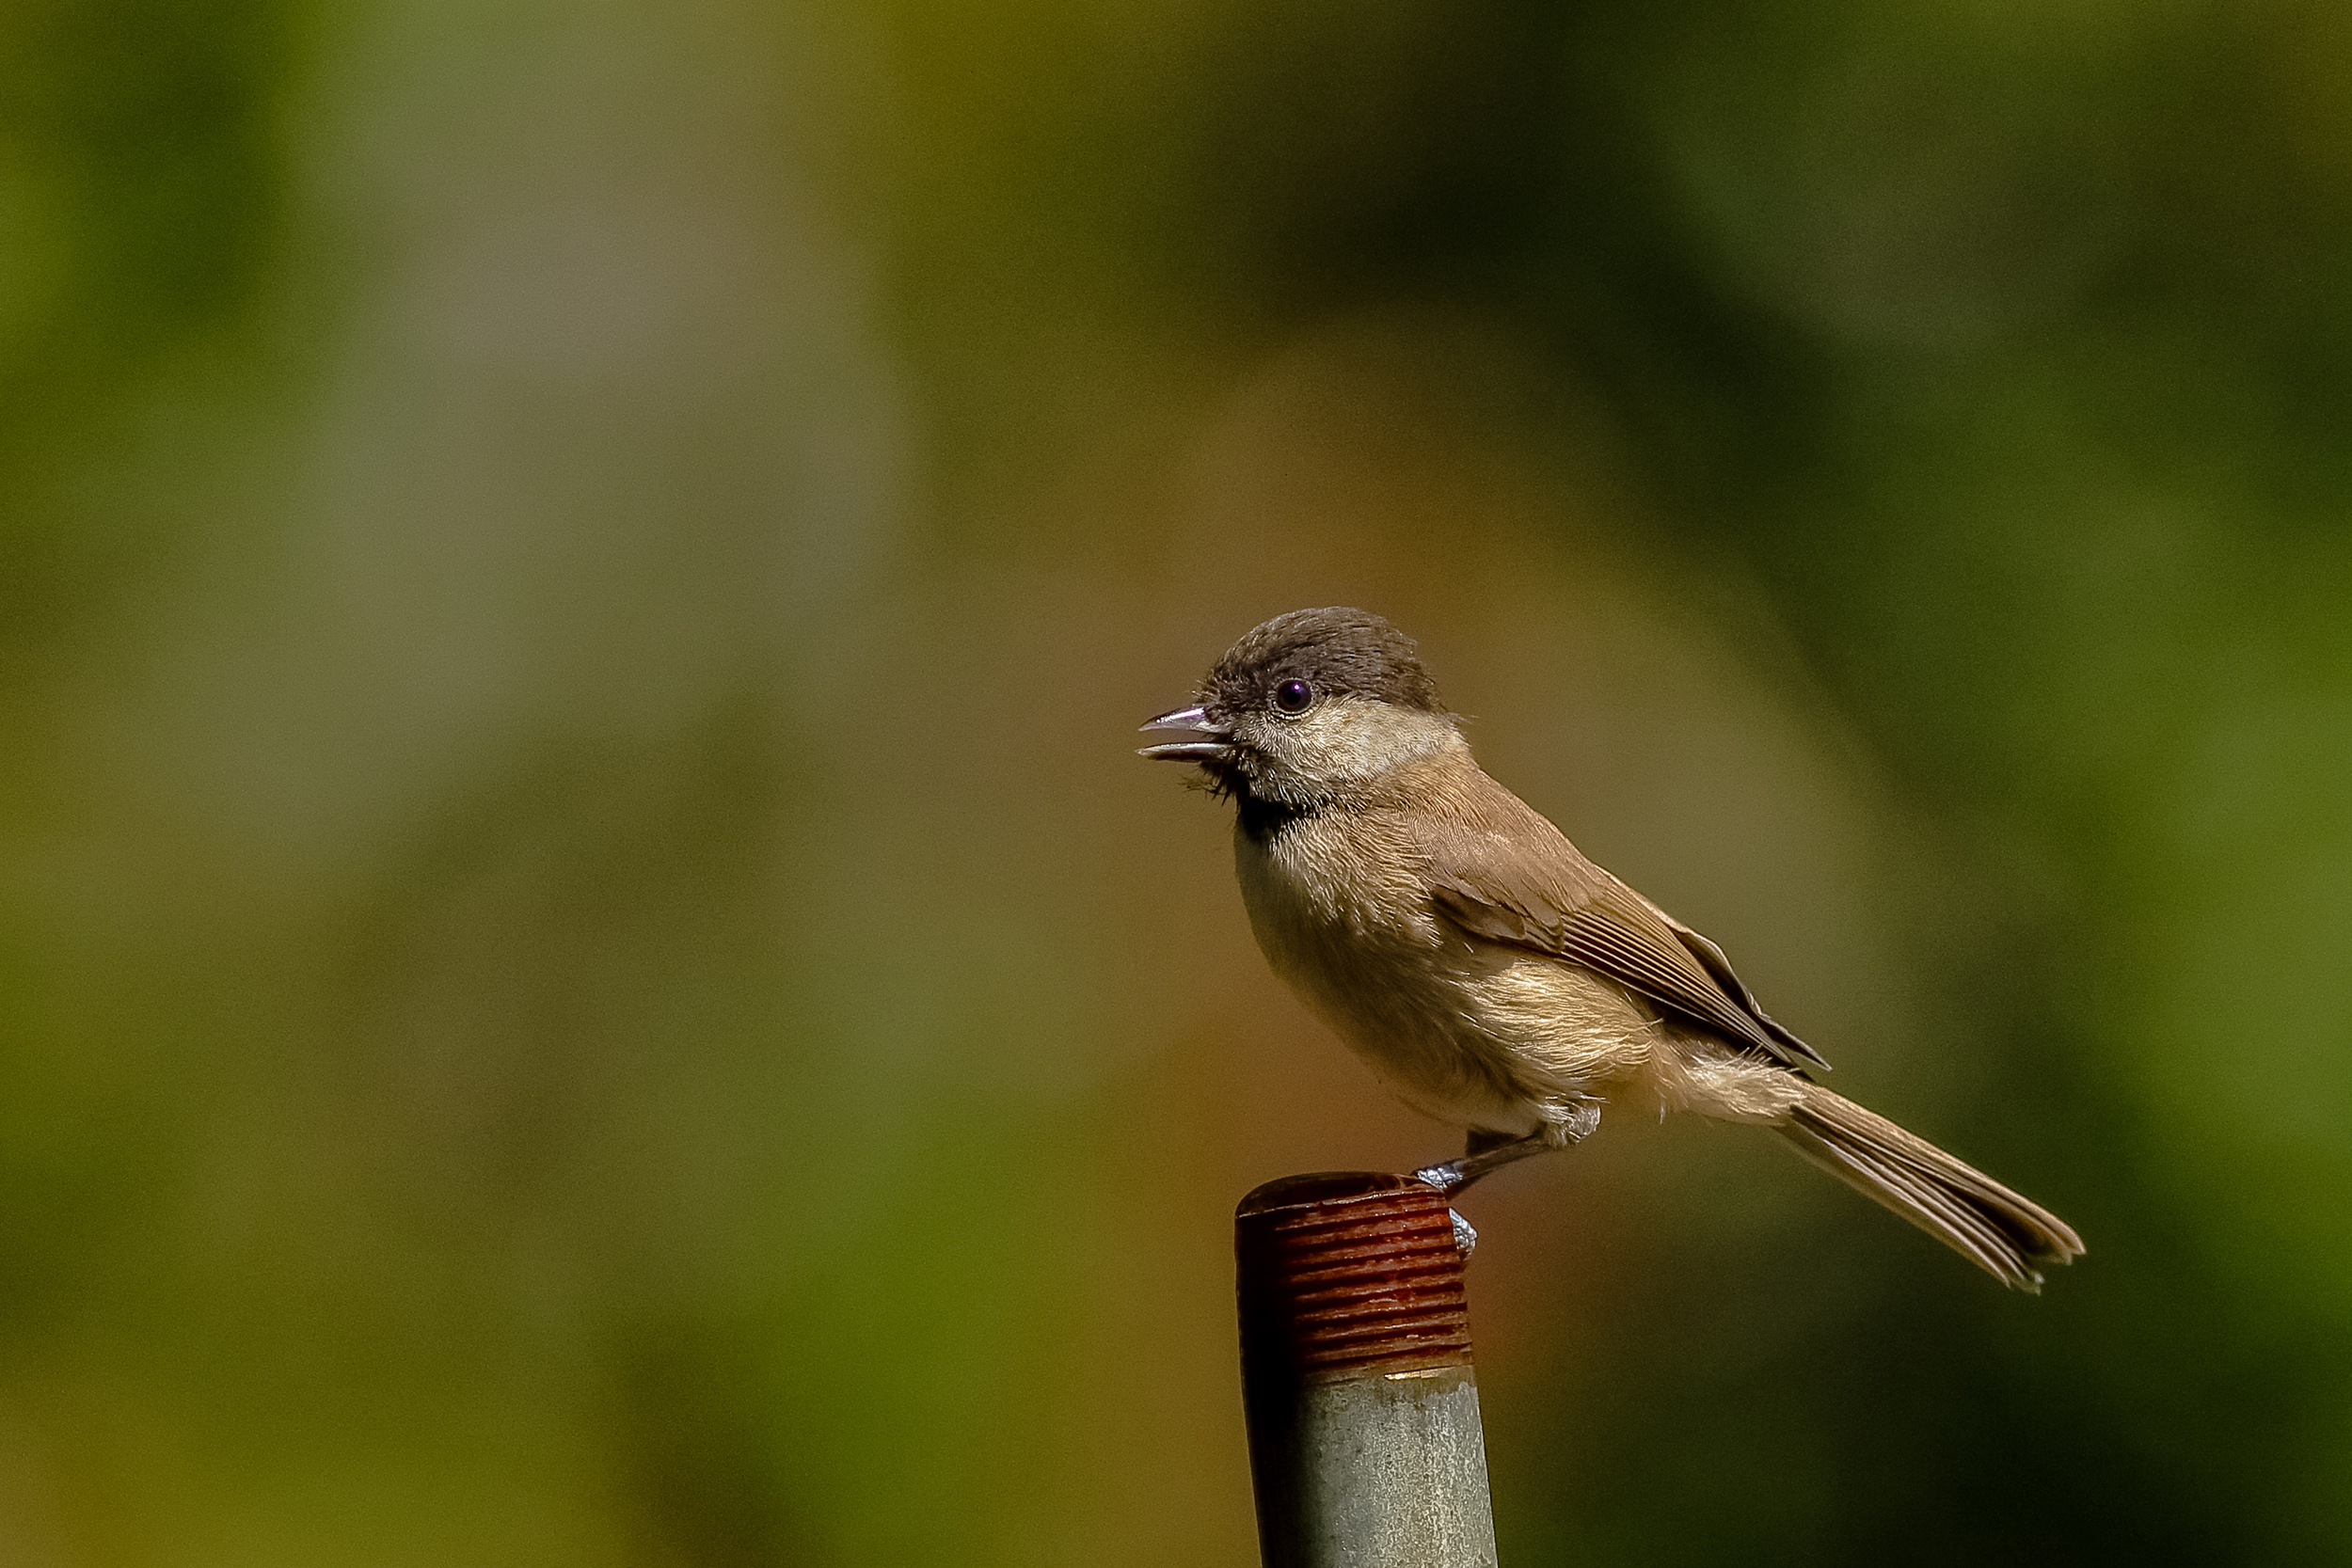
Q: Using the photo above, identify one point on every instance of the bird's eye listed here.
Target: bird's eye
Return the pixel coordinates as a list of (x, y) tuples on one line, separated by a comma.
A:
[(1293, 696)]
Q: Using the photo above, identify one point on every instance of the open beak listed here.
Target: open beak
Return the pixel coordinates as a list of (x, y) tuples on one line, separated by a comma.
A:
[(1187, 721)]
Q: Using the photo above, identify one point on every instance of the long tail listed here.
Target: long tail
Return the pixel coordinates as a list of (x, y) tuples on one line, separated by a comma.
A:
[(1964, 1209)]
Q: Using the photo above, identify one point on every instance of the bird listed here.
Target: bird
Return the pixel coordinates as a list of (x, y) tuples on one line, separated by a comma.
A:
[(1491, 975)]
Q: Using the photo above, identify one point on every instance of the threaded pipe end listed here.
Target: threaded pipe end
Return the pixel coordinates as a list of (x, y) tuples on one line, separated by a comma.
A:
[(1351, 1275)]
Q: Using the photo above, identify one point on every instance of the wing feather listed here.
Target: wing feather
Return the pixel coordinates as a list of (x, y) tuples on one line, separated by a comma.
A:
[(1507, 875)]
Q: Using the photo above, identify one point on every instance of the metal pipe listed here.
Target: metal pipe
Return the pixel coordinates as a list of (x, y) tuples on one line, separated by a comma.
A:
[(1365, 1444)]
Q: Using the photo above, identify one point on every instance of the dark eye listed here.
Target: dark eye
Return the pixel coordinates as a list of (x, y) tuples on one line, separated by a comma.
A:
[(1293, 696)]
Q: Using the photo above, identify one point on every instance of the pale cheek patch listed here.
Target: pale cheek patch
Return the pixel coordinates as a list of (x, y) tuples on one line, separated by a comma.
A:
[(1350, 739)]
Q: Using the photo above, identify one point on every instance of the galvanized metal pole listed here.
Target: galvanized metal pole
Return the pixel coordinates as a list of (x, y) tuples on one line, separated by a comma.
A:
[(1364, 1437)]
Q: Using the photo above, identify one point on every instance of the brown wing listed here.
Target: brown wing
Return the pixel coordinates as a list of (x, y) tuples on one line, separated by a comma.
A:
[(1509, 875)]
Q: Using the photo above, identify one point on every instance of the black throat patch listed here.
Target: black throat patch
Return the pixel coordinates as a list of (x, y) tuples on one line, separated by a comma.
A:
[(1261, 819)]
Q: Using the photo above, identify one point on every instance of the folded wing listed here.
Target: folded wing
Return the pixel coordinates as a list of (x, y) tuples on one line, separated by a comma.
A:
[(1508, 875)]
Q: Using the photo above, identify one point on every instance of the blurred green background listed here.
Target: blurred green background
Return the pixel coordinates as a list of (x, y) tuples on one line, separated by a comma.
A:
[(587, 973)]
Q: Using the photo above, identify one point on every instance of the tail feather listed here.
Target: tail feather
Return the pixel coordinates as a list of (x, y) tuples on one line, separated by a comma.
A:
[(2002, 1233)]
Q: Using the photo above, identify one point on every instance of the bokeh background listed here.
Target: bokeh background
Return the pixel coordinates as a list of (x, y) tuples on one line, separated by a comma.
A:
[(587, 977)]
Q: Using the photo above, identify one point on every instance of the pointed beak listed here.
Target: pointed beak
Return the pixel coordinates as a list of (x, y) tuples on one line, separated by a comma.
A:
[(1187, 721)]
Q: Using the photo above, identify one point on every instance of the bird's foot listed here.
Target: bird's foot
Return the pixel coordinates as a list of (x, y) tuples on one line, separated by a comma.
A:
[(1465, 1235)]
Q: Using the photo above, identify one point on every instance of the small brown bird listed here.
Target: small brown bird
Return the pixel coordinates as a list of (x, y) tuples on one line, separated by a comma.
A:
[(1494, 977)]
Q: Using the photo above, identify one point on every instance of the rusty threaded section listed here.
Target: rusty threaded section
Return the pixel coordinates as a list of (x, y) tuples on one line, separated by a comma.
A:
[(1351, 1275)]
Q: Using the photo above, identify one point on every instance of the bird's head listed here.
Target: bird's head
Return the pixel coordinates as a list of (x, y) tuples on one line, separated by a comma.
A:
[(1309, 708)]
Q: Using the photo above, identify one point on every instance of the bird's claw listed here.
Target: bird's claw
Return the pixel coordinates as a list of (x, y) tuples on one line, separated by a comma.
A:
[(1445, 1177)]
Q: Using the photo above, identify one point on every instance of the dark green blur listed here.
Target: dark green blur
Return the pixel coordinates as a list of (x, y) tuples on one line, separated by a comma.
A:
[(587, 976)]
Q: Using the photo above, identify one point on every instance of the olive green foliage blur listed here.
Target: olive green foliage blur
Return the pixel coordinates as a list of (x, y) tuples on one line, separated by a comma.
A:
[(586, 975)]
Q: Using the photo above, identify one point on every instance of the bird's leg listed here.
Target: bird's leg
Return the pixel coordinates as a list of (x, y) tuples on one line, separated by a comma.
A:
[(1572, 1122), (1490, 1152)]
